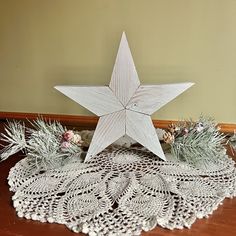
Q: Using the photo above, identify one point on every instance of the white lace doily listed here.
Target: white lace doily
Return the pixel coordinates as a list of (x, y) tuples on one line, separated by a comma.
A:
[(122, 192)]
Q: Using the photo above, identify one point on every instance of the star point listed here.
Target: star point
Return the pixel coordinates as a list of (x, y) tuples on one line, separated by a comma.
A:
[(125, 106)]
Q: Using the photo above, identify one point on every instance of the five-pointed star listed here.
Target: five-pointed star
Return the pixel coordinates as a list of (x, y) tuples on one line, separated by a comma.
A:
[(125, 106)]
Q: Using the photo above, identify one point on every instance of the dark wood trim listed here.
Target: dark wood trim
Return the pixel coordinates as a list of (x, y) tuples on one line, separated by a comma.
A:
[(227, 128), (81, 122), (89, 122)]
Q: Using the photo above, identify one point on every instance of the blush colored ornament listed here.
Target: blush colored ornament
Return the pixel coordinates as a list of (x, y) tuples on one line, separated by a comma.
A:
[(125, 106)]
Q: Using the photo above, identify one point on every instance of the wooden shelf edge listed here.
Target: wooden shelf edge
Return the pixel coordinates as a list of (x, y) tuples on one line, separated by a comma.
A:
[(90, 122)]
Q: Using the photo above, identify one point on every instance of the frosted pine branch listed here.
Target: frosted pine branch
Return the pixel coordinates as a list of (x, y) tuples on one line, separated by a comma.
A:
[(43, 143), (192, 141), (15, 139)]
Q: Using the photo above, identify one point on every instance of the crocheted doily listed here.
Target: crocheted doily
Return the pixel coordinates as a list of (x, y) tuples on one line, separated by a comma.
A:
[(122, 192)]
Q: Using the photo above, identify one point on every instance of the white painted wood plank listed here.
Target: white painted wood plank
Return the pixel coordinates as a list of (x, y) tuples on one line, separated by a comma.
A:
[(124, 80), (98, 99), (140, 127), (149, 98), (109, 129)]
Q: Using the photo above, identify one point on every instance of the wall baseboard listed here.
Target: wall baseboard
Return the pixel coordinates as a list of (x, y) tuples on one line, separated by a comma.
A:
[(89, 122)]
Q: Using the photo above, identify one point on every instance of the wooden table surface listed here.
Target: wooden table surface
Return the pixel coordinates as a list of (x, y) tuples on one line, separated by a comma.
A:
[(221, 223)]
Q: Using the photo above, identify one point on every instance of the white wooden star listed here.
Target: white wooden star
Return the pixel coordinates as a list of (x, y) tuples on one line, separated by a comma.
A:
[(125, 106)]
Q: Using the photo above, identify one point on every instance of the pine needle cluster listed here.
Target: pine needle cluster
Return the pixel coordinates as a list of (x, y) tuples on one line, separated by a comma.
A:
[(195, 141), (42, 143)]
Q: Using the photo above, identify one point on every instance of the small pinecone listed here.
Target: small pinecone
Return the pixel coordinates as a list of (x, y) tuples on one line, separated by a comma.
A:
[(172, 128), (168, 138), (86, 136)]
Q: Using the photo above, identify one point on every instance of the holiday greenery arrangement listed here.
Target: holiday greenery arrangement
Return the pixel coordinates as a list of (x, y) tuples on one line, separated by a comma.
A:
[(48, 144)]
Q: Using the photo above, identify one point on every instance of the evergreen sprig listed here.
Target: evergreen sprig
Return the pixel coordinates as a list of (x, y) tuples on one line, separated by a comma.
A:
[(15, 139), (194, 141), (42, 143)]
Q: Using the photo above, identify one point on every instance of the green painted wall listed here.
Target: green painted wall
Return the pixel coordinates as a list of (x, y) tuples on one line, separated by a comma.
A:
[(44, 43)]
